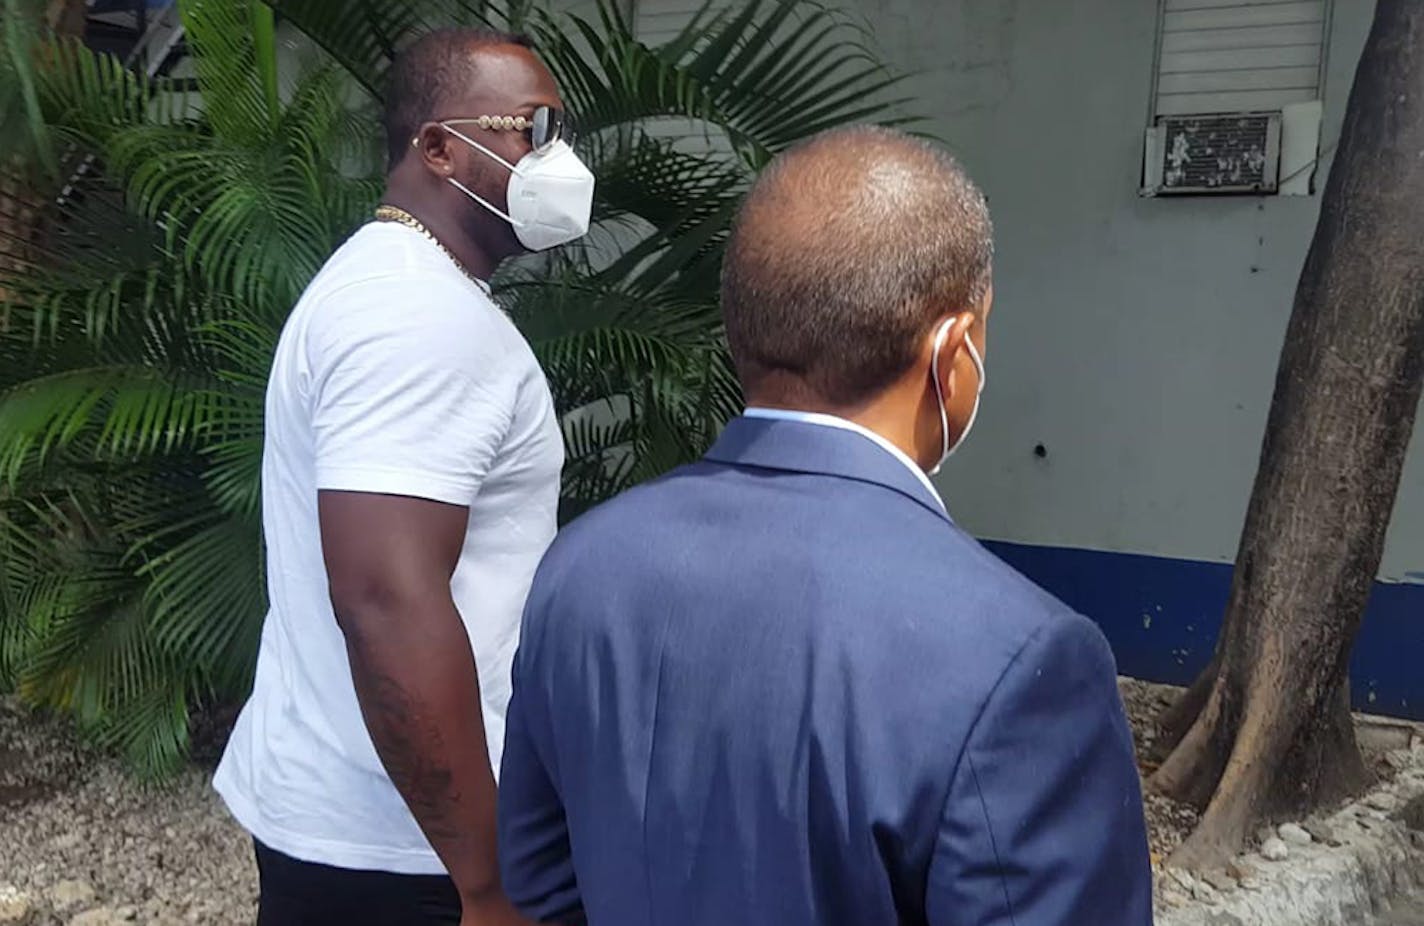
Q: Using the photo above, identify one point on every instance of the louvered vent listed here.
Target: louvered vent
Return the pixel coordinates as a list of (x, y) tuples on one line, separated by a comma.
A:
[(1237, 96), (1227, 153), (1239, 56)]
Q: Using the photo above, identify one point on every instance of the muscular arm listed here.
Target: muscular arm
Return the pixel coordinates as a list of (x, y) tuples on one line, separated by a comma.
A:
[(390, 560)]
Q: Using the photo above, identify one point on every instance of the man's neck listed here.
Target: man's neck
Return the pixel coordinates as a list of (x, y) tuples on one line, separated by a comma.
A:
[(476, 261), (879, 415)]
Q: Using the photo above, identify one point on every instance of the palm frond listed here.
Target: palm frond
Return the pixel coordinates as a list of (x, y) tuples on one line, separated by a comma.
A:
[(131, 411), (765, 74), (150, 728), (207, 600), (144, 286), (79, 316), (234, 472), (364, 36), (669, 189), (97, 659), (87, 97), (20, 105), (232, 75), (29, 583), (233, 434), (254, 220)]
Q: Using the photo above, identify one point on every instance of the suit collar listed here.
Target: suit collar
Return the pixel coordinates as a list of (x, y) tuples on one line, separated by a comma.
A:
[(803, 447), (844, 424)]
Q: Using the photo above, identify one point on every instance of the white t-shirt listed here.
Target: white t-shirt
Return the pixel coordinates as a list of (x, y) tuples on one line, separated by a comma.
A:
[(396, 374)]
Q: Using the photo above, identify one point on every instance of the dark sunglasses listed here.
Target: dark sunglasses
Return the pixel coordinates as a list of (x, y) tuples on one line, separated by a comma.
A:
[(545, 126)]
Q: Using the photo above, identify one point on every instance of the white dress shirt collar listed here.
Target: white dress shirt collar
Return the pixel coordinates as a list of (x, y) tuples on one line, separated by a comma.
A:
[(834, 421)]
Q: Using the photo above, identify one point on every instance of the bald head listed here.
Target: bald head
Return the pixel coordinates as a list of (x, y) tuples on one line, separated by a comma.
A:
[(848, 249)]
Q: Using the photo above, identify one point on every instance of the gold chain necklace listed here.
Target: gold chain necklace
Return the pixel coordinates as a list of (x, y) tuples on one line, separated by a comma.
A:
[(388, 213)]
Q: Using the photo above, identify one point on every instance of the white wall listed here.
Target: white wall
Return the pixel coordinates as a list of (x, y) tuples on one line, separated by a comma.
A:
[(1136, 339)]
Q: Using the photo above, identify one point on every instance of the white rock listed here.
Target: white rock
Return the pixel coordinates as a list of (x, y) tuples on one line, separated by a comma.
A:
[(1223, 881), (1294, 834), (1321, 831), (1205, 893), (1169, 896), (67, 895), (1275, 850), (99, 916), (14, 905), (1383, 801)]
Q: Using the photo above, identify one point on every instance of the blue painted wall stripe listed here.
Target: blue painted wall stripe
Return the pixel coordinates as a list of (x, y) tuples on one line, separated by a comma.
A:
[(1162, 617)]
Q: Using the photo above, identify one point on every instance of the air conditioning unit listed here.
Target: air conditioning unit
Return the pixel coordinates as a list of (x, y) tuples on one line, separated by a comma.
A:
[(1216, 153)]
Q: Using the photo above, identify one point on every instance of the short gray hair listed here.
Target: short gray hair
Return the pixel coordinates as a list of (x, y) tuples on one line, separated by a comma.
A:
[(846, 251)]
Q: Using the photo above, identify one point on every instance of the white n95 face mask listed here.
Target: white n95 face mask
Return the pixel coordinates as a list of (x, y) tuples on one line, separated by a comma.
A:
[(948, 447), (550, 194)]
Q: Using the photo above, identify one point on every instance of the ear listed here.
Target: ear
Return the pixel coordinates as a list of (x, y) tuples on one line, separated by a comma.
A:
[(432, 147), (950, 347)]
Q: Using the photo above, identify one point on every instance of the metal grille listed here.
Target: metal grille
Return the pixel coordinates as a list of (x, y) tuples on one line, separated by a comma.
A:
[(1224, 153)]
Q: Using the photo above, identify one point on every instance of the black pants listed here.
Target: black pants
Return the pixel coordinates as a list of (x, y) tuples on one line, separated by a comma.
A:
[(297, 893)]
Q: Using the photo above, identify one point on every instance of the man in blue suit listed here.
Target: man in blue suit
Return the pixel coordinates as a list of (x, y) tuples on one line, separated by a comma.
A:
[(780, 687)]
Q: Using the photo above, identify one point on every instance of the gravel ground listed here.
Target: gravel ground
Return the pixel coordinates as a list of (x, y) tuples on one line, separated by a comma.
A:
[(1168, 822), (81, 845)]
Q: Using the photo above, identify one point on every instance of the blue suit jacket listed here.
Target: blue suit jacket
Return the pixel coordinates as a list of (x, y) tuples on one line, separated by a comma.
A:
[(780, 687)]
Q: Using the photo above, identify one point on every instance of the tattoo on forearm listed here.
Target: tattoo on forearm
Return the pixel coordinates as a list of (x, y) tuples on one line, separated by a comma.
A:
[(414, 753)]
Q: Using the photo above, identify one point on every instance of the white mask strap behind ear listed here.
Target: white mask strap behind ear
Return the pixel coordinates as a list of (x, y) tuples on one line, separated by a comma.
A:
[(550, 194), (947, 448), (471, 193)]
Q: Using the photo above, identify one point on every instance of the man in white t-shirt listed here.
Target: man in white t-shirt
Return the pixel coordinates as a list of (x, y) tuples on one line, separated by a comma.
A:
[(410, 486)]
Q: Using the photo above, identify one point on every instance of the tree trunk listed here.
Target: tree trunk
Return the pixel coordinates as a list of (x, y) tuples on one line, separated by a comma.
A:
[(1267, 732), (66, 17), (17, 212), (1176, 722)]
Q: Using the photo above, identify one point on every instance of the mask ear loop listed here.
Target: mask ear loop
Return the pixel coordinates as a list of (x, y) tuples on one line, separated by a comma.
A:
[(483, 202), (479, 147), (471, 193), (940, 337)]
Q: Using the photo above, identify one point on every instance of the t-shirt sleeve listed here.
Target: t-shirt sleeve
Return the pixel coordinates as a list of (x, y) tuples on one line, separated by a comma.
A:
[(408, 400)]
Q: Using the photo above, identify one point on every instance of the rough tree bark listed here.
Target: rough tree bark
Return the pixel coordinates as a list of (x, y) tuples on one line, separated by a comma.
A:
[(1267, 731)]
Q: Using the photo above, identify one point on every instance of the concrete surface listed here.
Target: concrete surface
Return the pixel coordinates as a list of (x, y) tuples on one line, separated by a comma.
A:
[(1408, 912), (1371, 872)]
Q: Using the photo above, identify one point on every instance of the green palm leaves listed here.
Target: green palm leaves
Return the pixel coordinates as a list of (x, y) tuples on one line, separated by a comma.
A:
[(160, 230)]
